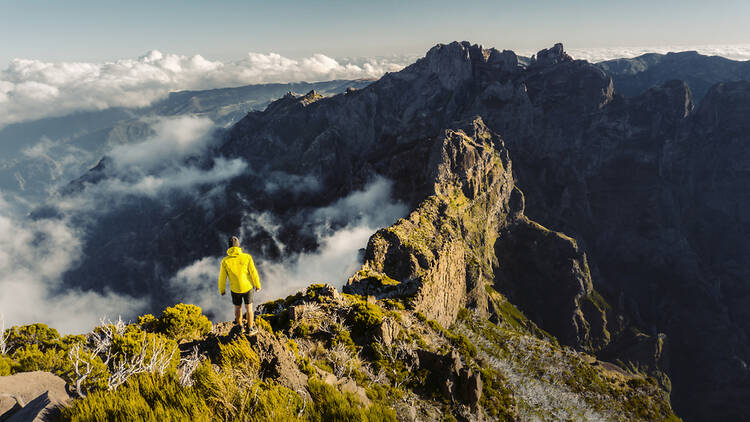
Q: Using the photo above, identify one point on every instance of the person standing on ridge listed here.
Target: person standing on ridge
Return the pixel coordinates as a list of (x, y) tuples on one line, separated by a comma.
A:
[(243, 278)]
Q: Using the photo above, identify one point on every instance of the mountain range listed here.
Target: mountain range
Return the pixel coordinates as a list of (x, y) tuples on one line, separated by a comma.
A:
[(605, 201), (41, 156)]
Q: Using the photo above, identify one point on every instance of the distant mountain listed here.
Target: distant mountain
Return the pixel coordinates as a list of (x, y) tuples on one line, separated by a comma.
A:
[(68, 146), (634, 76)]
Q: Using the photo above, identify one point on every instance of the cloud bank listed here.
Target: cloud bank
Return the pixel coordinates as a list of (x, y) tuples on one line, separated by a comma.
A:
[(33, 89), (342, 229), (735, 52), (157, 165), (36, 253), (33, 255)]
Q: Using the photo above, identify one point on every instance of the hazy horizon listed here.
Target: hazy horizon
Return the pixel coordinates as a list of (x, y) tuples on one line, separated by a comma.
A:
[(89, 31)]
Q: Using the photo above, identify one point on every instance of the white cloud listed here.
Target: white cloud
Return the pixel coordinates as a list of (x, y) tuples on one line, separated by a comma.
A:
[(33, 256), (174, 139), (337, 258), (33, 89), (198, 284), (173, 178), (155, 165), (279, 181)]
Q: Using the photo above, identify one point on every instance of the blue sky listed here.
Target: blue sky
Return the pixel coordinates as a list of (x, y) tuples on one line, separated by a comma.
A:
[(107, 30)]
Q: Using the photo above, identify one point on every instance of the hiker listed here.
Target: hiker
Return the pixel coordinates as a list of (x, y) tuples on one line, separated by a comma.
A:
[(243, 278)]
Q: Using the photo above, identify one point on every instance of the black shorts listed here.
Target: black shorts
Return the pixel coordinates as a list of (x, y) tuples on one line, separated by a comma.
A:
[(237, 298)]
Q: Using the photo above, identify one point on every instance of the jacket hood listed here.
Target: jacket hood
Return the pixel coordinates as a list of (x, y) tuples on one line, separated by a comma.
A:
[(234, 251)]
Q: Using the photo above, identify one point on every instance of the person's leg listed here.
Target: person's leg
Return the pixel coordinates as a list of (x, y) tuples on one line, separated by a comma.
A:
[(237, 302), (238, 314), (249, 315)]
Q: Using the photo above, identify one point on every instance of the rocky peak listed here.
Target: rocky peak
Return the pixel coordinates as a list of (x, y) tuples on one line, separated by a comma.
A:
[(456, 62), (291, 101), (551, 56), (451, 62), (505, 61), (437, 252)]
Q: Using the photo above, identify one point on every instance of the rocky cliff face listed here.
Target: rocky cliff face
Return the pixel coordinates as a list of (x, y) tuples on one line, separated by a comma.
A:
[(470, 234), (440, 254), (647, 190)]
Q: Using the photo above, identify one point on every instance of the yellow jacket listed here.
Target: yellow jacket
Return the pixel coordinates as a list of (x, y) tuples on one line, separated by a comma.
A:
[(241, 271)]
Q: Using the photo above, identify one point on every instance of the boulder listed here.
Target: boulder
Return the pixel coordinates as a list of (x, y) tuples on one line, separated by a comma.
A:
[(29, 396)]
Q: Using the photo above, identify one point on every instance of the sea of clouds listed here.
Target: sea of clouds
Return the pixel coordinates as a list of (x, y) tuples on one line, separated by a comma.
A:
[(33, 89), (739, 52), (36, 251)]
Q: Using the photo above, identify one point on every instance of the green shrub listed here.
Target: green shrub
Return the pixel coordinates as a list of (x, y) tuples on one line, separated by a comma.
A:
[(97, 378), (459, 341), (34, 334), (497, 398), (149, 323), (331, 405), (464, 314), (144, 397), (32, 358), (365, 316), (448, 416), (6, 364), (274, 402), (180, 322), (394, 304), (302, 330), (344, 337), (312, 290), (239, 356), (133, 341), (263, 324), (306, 366)]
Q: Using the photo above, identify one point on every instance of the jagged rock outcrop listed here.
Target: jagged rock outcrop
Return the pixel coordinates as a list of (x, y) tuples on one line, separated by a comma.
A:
[(439, 252)]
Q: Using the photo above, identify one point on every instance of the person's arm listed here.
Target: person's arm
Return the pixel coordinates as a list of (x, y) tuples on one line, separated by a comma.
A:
[(253, 273), (222, 279)]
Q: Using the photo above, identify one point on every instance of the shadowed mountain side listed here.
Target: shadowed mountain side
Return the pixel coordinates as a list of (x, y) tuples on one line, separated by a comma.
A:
[(635, 75)]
